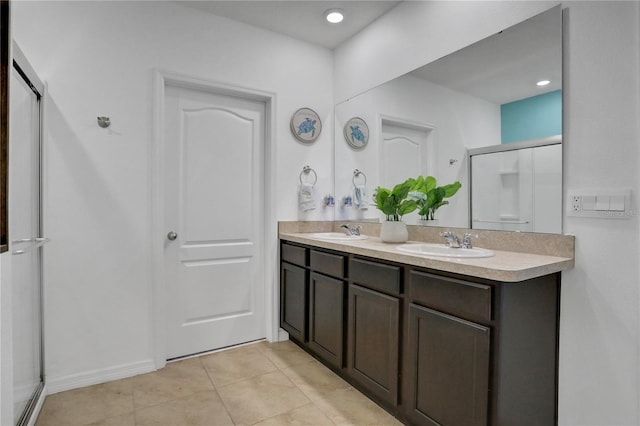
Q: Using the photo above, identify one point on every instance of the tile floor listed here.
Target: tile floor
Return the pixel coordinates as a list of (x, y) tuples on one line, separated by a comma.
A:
[(258, 384)]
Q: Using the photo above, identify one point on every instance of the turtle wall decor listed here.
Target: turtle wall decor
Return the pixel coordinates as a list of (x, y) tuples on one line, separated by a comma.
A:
[(306, 125), (356, 132)]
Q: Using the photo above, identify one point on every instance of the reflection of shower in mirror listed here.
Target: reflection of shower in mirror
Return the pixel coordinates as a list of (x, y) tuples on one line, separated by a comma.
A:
[(517, 186)]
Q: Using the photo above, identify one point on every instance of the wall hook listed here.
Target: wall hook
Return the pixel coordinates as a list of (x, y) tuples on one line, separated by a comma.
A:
[(104, 122), (452, 161)]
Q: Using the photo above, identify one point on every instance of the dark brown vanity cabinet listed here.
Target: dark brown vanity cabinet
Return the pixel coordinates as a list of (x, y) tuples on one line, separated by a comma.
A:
[(374, 328), (294, 290), (326, 306), (481, 352), (432, 347), (448, 357), (313, 300)]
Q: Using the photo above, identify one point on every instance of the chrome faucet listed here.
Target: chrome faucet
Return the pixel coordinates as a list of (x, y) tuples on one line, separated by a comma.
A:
[(454, 242), (466, 240), (452, 239), (351, 230)]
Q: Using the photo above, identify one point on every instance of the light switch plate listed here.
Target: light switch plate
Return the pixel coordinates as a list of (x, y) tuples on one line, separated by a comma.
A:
[(600, 203)]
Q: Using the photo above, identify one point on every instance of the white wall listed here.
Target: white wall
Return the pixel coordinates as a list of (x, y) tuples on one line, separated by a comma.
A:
[(599, 353), (599, 325), (460, 121), (98, 59)]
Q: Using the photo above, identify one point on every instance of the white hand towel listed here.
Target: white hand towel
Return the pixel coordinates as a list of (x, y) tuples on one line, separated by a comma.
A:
[(305, 197), (360, 197)]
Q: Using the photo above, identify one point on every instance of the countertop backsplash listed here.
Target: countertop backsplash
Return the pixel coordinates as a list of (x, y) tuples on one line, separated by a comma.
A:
[(519, 242)]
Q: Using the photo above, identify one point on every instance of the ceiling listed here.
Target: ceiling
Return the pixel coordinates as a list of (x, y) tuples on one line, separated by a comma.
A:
[(303, 19)]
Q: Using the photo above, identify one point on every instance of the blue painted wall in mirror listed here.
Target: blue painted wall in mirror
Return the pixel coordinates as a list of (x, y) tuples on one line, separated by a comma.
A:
[(532, 118)]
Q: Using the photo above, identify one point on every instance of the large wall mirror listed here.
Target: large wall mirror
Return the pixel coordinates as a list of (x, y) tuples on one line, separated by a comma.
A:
[(480, 100)]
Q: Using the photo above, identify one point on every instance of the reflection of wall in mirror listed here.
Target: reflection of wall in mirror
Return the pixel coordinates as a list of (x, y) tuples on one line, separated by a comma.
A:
[(530, 118), (459, 121)]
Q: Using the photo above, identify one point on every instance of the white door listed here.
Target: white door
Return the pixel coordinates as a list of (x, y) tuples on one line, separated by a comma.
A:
[(214, 209), (26, 243), (404, 153)]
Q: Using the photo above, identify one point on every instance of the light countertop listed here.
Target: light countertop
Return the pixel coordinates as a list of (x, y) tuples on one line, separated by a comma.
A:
[(507, 266)]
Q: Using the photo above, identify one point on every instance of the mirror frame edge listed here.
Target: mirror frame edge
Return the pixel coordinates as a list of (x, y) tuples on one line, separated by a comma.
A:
[(5, 46)]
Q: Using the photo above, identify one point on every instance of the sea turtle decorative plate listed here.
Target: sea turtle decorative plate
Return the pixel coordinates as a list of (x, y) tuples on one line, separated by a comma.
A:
[(306, 125), (356, 132)]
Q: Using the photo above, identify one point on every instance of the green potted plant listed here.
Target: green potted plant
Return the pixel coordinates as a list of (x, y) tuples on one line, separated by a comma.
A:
[(429, 197), (394, 204)]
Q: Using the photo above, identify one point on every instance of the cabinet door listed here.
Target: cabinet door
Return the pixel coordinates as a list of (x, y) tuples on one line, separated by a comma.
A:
[(372, 359), (293, 301), (326, 317), (448, 370)]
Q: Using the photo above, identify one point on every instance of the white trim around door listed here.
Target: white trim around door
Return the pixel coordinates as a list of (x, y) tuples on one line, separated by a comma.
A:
[(161, 79)]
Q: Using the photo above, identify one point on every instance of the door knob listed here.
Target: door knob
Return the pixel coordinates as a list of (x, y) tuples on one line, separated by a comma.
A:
[(172, 236)]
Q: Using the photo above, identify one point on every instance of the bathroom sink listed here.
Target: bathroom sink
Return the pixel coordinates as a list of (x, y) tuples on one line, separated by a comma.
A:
[(336, 236), (440, 250)]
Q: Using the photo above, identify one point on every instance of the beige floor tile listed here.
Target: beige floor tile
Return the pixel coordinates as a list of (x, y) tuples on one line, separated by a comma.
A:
[(123, 420), (306, 415), (315, 380), (176, 380), (284, 354), (258, 398), (87, 405), (199, 409), (350, 407), (236, 364), (265, 384)]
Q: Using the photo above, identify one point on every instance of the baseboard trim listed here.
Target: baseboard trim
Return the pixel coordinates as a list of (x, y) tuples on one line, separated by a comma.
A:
[(95, 377), (282, 335)]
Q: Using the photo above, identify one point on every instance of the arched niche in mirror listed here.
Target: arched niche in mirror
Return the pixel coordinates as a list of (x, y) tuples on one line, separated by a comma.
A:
[(482, 95)]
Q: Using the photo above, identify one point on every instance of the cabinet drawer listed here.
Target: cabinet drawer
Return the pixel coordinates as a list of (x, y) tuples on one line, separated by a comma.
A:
[(457, 297), (294, 254), (327, 263), (377, 276)]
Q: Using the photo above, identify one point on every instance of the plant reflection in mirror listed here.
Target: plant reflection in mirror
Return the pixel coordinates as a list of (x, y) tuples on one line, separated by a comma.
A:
[(394, 203), (429, 197)]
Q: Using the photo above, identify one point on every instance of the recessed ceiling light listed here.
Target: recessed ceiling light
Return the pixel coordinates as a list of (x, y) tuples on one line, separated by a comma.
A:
[(334, 16), (543, 83)]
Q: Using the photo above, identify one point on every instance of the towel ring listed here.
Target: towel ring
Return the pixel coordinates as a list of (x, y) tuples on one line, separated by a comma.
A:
[(357, 173), (306, 170)]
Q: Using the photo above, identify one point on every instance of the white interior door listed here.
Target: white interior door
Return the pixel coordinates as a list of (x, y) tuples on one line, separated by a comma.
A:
[(404, 153), (214, 208), (26, 245)]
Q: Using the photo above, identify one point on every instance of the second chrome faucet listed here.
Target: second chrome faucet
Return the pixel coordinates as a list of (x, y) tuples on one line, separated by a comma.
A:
[(453, 240), (351, 230)]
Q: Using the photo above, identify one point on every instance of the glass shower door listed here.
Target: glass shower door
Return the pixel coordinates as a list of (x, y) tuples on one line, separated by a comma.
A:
[(26, 244)]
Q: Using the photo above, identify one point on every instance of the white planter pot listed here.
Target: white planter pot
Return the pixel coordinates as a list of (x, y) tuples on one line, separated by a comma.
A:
[(425, 222), (394, 232)]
